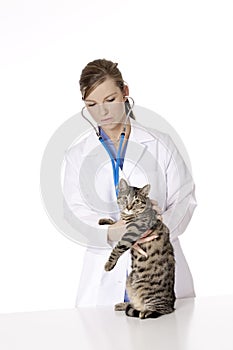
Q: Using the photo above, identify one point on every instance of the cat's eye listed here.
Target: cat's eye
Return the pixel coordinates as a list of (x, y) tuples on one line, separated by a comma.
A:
[(122, 200)]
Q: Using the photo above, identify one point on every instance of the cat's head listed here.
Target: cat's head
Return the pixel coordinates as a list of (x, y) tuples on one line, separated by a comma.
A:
[(132, 200)]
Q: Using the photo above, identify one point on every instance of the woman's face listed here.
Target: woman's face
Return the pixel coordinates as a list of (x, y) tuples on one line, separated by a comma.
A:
[(106, 104)]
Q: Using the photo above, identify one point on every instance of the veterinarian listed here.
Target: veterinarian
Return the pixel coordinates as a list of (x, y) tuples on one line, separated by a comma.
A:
[(117, 146)]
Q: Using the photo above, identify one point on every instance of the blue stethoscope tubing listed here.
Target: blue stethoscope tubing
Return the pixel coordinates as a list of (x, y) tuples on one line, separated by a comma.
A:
[(115, 164), (115, 167)]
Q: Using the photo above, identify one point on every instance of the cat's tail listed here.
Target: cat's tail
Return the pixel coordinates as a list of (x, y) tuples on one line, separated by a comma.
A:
[(131, 311)]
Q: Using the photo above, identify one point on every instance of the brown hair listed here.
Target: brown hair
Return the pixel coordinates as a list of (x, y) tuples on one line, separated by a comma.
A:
[(96, 72)]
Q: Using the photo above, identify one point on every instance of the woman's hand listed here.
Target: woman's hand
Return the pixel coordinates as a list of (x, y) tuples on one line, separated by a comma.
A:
[(116, 231), (157, 209)]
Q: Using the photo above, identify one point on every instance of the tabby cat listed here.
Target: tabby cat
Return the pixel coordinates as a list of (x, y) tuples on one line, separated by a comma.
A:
[(150, 285)]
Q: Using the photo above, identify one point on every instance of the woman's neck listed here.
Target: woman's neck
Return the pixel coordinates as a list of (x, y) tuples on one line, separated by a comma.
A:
[(115, 133)]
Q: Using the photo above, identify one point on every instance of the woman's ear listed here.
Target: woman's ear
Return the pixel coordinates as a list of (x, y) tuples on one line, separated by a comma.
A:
[(126, 91)]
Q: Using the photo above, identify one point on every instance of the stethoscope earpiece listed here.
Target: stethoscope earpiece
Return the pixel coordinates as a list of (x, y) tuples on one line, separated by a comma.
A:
[(83, 115)]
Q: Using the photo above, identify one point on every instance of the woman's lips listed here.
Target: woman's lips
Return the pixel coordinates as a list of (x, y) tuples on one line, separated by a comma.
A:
[(106, 119)]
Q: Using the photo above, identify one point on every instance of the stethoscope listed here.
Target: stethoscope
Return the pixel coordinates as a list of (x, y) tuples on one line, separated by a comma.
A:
[(115, 164)]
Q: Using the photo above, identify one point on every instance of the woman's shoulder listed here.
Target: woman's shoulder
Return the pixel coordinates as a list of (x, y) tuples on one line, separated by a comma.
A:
[(153, 134), (170, 145), (81, 144)]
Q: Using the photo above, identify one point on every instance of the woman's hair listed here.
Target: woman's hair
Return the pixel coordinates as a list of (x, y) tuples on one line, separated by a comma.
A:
[(96, 72)]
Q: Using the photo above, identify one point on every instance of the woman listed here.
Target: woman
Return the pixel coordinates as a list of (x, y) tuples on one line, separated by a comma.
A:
[(93, 169)]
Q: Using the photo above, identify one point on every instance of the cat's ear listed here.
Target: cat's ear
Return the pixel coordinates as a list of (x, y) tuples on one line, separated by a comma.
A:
[(145, 190), (123, 186)]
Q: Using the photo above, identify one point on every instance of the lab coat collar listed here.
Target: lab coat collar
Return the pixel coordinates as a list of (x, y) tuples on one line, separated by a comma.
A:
[(136, 149), (138, 134)]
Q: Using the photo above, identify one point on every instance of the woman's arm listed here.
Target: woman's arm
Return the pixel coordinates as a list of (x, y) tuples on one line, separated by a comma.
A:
[(116, 231), (76, 210), (181, 200)]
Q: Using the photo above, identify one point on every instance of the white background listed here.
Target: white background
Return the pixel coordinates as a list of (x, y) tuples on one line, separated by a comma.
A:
[(177, 59)]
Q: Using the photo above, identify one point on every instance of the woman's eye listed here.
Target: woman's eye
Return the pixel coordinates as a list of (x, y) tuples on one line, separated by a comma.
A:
[(111, 99), (91, 105)]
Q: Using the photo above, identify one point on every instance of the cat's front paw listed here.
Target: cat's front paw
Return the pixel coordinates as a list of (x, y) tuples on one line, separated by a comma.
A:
[(106, 221), (109, 266)]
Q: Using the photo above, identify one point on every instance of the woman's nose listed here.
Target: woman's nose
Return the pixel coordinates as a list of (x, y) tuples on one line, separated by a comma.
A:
[(103, 110)]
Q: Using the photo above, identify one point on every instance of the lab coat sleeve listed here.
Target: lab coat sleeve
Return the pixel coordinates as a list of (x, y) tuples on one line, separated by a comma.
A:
[(180, 196), (76, 211)]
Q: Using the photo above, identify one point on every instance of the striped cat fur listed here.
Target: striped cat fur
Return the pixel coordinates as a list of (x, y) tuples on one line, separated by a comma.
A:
[(150, 284)]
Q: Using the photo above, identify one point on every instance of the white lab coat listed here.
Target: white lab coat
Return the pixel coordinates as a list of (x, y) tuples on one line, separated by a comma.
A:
[(151, 157)]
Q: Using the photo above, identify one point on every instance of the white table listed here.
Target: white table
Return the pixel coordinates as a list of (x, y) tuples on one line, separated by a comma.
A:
[(200, 323)]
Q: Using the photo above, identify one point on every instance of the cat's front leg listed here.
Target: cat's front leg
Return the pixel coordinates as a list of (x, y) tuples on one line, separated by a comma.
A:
[(120, 248)]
